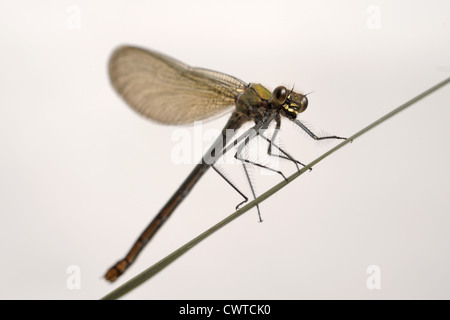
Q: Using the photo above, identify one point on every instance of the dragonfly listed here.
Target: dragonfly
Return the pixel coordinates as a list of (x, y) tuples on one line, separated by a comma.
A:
[(170, 92)]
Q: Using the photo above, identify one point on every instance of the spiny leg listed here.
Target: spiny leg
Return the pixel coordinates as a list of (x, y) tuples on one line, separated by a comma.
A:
[(314, 136), (253, 190), (272, 142), (252, 135), (238, 156), (232, 185), (277, 128), (286, 156), (249, 134)]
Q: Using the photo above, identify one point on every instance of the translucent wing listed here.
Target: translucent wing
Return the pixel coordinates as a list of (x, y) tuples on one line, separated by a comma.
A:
[(168, 91)]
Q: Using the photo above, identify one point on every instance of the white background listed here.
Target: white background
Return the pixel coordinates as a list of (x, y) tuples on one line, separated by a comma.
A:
[(81, 174)]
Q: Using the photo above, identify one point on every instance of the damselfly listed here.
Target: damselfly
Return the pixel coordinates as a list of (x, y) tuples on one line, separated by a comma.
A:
[(171, 92)]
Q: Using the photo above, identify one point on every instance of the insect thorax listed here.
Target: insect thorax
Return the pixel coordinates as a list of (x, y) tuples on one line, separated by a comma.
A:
[(254, 102)]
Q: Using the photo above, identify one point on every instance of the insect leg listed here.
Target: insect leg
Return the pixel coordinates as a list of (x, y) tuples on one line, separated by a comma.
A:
[(271, 142), (253, 134), (312, 135)]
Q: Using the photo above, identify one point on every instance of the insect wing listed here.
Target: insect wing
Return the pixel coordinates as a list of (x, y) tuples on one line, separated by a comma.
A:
[(169, 91)]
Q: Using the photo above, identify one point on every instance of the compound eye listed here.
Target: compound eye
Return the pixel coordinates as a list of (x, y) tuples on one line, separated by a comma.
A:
[(303, 104), (279, 95)]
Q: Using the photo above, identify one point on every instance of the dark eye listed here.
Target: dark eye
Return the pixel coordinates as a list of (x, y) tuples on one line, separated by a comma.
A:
[(279, 95), (303, 104)]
